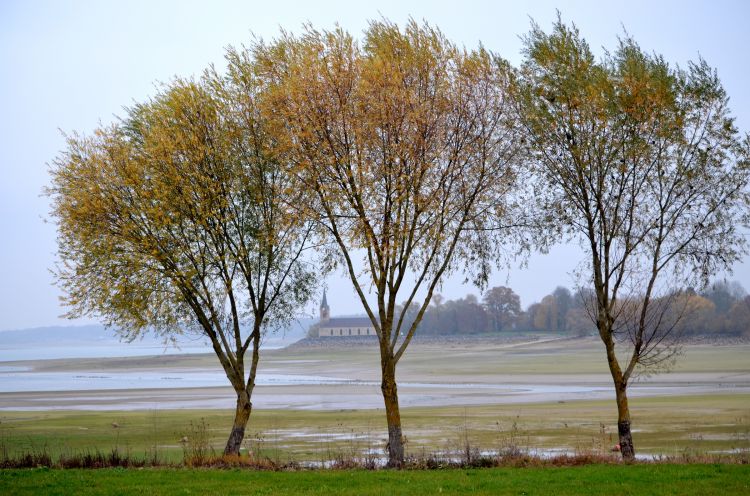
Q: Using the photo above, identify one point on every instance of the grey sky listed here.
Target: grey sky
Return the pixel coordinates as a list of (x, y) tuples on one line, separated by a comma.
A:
[(71, 65)]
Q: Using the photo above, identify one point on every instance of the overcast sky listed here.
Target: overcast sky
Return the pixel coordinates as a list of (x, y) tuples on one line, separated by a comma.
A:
[(71, 65)]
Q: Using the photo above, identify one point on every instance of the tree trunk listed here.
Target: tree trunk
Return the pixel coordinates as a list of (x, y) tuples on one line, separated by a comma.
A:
[(241, 416), (393, 416), (623, 423), (621, 392)]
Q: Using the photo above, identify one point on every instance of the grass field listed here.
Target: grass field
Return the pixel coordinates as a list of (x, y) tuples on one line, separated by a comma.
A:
[(612, 480), (664, 425)]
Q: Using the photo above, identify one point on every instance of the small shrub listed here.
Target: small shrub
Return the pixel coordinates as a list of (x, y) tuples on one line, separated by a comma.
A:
[(196, 446)]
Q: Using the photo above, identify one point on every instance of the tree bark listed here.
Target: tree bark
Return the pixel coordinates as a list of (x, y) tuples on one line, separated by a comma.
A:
[(393, 416), (620, 381), (623, 423), (241, 417)]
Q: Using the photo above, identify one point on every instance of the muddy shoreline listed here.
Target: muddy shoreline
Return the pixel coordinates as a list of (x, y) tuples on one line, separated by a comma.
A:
[(325, 375)]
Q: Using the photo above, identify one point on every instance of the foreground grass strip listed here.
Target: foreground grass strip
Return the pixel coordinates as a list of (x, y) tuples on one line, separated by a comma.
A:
[(592, 479)]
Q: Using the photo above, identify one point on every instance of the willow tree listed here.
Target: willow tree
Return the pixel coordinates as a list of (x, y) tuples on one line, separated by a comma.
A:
[(405, 143), (642, 163), (177, 219)]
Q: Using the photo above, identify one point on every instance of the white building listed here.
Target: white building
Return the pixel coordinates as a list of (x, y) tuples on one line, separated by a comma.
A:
[(342, 326)]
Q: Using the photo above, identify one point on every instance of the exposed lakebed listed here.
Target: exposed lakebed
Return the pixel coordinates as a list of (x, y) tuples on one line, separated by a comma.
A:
[(29, 390), (348, 378)]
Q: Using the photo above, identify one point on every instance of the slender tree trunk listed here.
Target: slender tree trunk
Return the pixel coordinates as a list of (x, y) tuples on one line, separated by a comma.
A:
[(623, 423), (241, 416), (244, 393), (393, 415), (621, 393)]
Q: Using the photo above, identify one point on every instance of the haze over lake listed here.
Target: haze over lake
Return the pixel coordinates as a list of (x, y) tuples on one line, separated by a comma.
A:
[(97, 341)]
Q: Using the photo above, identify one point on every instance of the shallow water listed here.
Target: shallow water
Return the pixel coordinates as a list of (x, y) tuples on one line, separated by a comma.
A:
[(14, 381), (19, 379), (13, 368), (209, 388), (109, 350)]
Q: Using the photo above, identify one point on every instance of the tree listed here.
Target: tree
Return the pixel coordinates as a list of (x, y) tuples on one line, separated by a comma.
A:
[(578, 321), (578, 318), (503, 306), (724, 294), (563, 304), (545, 315), (178, 218), (692, 313), (462, 316), (406, 144), (738, 320), (643, 164), (452, 317), (527, 318)]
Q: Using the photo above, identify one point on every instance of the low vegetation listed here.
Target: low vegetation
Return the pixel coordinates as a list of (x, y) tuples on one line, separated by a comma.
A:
[(698, 428)]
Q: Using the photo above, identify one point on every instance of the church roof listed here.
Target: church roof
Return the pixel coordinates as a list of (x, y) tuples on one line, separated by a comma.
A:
[(347, 322)]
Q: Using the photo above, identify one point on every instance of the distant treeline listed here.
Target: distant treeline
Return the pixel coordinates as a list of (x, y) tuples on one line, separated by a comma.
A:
[(723, 308)]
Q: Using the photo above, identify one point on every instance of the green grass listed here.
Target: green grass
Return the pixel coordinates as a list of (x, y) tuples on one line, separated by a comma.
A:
[(612, 480)]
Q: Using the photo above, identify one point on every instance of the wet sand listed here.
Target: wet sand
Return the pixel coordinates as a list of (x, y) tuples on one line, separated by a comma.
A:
[(431, 376), (340, 397)]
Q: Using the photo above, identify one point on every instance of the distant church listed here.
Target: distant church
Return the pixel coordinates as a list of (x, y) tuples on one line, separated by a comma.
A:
[(342, 326)]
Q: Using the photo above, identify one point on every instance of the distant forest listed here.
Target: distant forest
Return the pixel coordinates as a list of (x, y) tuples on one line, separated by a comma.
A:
[(722, 308)]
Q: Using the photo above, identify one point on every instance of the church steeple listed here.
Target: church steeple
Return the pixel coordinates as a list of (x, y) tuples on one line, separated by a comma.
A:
[(325, 311)]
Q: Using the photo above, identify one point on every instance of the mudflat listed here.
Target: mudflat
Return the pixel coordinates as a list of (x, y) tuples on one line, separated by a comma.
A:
[(345, 375)]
